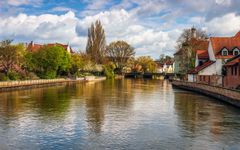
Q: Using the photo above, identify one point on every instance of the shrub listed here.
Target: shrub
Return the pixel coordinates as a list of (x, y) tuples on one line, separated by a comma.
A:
[(109, 71), (3, 77), (12, 75)]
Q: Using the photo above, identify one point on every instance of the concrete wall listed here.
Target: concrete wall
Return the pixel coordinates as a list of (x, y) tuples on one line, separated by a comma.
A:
[(226, 95)]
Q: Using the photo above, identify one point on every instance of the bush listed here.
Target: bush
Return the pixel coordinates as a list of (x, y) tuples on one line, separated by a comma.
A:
[(32, 76), (12, 75), (3, 77), (50, 74), (109, 71)]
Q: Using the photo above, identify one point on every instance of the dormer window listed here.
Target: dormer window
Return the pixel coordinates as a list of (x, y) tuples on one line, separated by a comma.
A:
[(236, 52), (224, 52)]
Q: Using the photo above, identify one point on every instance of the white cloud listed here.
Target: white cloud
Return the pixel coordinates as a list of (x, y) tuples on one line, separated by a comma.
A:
[(118, 25), (226, 25)]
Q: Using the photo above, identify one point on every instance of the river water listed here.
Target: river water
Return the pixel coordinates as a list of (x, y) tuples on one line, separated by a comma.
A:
[(116, 114)]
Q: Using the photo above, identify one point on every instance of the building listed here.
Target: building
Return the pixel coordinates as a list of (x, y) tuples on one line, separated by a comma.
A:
[(209, 65), (181, 66), (177, 61), (33, 47), (165, 67), (232, 75)]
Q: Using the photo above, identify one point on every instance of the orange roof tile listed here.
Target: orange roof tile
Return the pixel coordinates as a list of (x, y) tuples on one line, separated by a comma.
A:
[(218, 43)]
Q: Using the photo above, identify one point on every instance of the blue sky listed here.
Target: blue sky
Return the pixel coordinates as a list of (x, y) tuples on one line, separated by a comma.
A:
[(151, 26)]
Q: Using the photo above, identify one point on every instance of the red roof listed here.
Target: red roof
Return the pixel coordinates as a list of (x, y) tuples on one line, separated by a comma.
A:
[(35, 47), (199, 68), (202, 54), (233, 61), (218, 43), (197, 44)]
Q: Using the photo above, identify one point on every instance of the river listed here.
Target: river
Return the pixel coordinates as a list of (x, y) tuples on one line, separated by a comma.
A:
[(116, 114)]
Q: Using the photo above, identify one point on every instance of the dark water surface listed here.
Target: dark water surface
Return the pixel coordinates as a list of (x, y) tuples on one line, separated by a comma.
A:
[(120, 114)]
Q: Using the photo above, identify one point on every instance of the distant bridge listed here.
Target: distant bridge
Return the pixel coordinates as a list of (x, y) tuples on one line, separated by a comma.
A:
[(149, 75)]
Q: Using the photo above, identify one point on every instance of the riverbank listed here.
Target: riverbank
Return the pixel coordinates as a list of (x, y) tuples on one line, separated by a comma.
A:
[(223, 94), (16, 85)]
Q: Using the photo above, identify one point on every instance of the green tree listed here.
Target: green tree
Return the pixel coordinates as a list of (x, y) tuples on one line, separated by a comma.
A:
[(50, 61), (119, 53), (77, 63), (164, 58), (96, 44)]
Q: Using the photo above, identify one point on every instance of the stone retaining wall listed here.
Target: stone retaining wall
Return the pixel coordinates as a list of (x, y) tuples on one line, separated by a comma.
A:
[(227, 95)]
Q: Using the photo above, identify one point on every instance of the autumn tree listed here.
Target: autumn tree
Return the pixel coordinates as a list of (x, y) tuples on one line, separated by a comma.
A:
[(119, 53), (147, 64), (96, 44), (10, 55)]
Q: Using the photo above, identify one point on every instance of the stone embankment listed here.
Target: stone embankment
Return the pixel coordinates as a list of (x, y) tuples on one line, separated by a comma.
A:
[(15, 85), (226, 95)]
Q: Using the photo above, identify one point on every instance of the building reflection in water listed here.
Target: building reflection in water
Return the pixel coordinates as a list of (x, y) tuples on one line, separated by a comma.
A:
[(199, 115)]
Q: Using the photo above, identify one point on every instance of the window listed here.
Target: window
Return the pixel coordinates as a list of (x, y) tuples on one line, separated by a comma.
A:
[(232, 69), (224, 52), (236, 52)]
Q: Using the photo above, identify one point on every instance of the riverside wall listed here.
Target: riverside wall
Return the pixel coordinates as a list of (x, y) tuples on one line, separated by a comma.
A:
[(223, 94), (16, 85)]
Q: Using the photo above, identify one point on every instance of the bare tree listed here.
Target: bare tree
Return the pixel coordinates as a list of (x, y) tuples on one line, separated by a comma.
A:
[(119, 53), (188, 42), (96, 44)]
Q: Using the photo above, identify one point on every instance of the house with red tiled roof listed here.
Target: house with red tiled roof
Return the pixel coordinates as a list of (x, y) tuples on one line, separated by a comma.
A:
[(33, 47), (232, 73), (209, 64), (196, 44)]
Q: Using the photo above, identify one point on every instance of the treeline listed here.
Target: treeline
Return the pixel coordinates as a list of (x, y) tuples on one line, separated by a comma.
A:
[(48, 62)]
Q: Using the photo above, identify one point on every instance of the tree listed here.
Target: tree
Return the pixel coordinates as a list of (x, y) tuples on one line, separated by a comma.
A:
[(188, 42), (119, 53), (50, 61), (164, 58), (96, 44), (147, 63), (11, 55), (77, 63)]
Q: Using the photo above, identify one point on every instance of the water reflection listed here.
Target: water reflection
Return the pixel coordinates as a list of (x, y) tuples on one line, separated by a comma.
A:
[(116, 114)]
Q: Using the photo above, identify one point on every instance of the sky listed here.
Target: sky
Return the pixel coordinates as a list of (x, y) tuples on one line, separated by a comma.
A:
[(150, 26)]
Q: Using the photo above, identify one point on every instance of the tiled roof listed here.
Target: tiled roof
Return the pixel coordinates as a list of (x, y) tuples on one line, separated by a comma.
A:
[(199, 68), (35, 47), (202, 54), (218, 43), (197, 44), (233, 61)]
